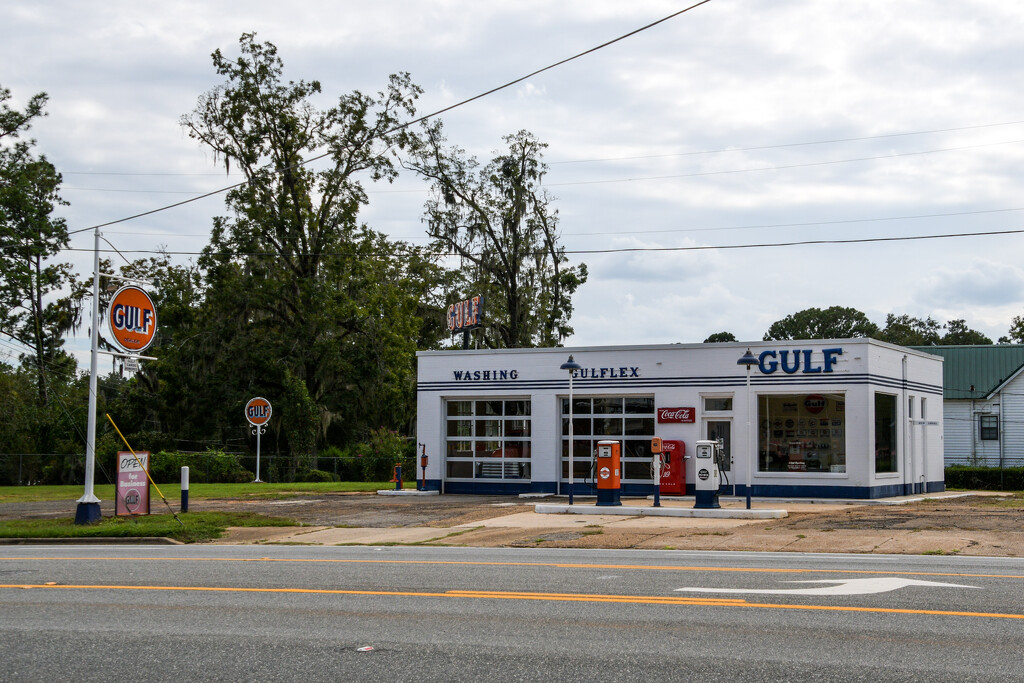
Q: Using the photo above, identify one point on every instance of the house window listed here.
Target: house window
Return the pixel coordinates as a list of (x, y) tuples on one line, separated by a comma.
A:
[(988, 427)]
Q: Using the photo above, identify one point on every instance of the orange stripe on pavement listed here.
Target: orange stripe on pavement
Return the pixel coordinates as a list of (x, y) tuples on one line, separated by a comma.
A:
[(553, 597), (559, 565)]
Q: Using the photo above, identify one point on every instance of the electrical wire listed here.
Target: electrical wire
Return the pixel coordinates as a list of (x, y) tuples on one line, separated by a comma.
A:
[(810, 164), (832, 162), (785, 144), (622, 250)]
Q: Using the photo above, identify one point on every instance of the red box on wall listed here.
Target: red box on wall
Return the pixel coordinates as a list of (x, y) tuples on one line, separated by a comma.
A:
[(676, 414)]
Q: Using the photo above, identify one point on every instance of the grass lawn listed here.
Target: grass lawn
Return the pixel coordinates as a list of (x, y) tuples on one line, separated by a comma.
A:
[(198, 526), (19, 494)]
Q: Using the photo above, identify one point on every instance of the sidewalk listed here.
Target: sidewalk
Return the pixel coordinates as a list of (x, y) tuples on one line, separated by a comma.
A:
[(536, 524)]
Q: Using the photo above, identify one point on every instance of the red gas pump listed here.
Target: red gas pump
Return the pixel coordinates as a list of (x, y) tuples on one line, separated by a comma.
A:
[(608, 473), (673, 467)]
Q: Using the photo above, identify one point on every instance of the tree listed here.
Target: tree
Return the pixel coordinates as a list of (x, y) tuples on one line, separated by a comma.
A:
[(907, 330), (294, 284), (719, 337), (31, 310), (499, 222), (1016, 332), (835, 322), (959, 334)]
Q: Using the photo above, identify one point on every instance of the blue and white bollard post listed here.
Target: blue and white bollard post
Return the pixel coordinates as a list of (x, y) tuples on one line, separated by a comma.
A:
[(398, 476), (184, 488)]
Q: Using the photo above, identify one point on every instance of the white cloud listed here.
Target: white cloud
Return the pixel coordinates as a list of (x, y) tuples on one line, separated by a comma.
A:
[(727, 75)]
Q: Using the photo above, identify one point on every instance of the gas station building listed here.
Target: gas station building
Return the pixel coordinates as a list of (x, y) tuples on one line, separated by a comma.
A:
[(844, 418)]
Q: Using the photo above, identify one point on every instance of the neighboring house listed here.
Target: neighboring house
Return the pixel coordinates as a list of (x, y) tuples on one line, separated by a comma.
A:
[(983, 404)]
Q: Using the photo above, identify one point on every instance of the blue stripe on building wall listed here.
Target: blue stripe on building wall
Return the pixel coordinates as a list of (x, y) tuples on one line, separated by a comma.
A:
[(589, 385), (758, 491)]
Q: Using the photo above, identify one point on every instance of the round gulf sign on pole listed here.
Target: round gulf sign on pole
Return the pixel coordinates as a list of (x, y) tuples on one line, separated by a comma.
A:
[(132, 319), (258, 411)]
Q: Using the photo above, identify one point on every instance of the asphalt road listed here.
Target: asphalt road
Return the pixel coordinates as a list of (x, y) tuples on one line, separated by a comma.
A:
[(297, 613)]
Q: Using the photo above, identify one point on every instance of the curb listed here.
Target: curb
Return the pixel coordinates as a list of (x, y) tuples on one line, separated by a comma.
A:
[(93, 540), (406, 492), (712, 513)]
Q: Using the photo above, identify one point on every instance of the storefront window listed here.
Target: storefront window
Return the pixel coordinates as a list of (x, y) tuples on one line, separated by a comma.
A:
[(488, 439), (801, 432), (886, 445), (627, 419)]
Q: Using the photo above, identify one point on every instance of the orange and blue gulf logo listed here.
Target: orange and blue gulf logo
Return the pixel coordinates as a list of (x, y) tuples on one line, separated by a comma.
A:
[(132, 319), (258, 411)]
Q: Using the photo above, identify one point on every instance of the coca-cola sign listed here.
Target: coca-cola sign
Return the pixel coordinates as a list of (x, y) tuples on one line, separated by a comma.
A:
[(676, 414)]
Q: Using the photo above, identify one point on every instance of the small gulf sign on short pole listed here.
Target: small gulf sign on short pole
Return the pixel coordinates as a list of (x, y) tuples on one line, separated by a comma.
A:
[(258, 412)]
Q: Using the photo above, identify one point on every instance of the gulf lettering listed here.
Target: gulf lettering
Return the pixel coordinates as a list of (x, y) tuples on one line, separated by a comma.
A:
[(830, 358), (601, 373), (770, 361), (132, 318), (784, 356)]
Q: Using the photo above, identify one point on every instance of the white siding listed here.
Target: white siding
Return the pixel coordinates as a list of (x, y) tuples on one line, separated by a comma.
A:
[(1012, 424)]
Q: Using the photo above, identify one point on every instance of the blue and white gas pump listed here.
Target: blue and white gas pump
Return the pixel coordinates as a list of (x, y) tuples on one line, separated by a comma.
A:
[(707, 478)]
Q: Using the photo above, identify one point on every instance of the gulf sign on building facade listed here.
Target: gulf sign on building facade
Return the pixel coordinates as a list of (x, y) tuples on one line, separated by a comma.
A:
[(132, 319)]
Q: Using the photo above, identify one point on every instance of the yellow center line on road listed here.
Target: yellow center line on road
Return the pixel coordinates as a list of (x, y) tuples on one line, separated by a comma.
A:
[(557, 565), (517, 595)]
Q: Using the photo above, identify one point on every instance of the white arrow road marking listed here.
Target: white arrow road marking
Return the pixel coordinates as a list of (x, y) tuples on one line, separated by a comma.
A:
[(842, 587)]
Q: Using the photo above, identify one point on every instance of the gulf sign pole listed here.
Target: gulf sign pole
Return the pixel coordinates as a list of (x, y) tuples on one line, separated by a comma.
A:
[(258, 411), (131, 319), (88, 509)]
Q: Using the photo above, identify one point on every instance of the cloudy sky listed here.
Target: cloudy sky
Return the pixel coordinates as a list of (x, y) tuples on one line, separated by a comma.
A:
[(735, 124)]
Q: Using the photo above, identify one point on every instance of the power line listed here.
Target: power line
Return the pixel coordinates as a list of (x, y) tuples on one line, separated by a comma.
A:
[(414, 121), (806, 224), (782, 168), (863, 240), (620, 250), (781, 145), (809, 164), (796, 225), (785, 144)]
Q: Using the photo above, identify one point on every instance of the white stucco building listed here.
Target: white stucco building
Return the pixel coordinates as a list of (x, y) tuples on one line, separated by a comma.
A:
[(849, 418)]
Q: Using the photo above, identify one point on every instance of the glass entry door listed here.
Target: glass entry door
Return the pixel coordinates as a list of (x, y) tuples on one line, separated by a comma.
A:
[(721, 429)]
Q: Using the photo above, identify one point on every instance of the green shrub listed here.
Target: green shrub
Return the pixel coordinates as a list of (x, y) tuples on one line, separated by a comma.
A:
[(985, 478), (317, 476), (385, 449), (211, 467), (343, 462)]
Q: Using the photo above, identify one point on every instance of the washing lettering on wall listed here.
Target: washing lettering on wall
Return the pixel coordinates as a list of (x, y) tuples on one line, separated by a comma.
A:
[(584, 373), (484, 375), (801, 360)]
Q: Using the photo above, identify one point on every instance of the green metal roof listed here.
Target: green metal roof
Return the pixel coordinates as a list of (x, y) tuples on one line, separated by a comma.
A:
[(976, 371)]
